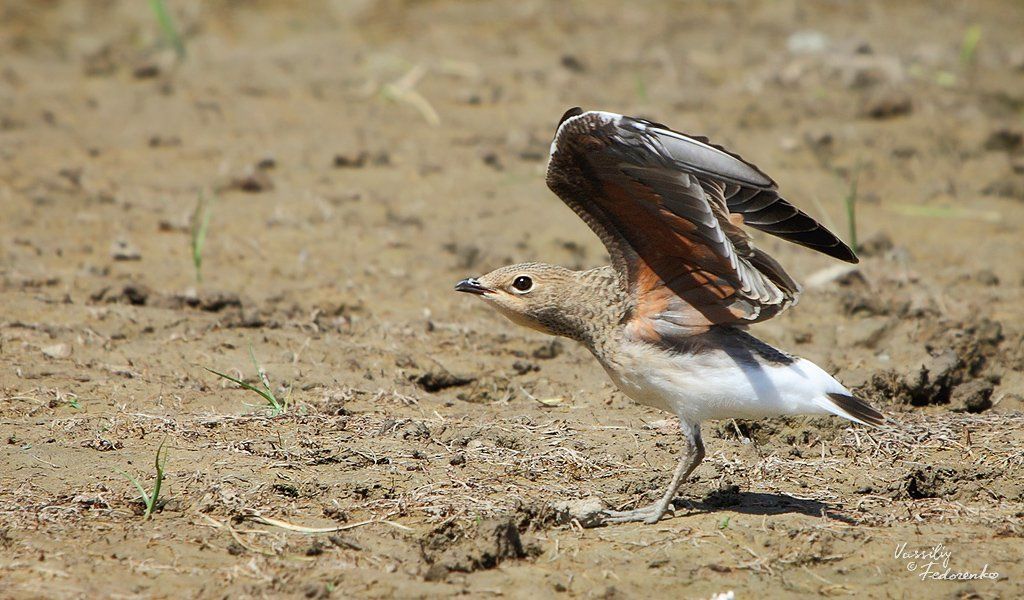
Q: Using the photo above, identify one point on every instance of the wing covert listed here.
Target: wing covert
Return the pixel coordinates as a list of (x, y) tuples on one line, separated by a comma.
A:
[(668, 208)]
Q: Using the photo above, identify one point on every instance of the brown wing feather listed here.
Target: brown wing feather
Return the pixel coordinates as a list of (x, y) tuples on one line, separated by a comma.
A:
[(668, 223)]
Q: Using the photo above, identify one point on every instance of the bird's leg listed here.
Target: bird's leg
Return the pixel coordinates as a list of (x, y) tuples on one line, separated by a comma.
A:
[(692, 456)]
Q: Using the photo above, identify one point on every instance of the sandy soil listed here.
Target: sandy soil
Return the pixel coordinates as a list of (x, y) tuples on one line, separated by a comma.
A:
[(360, 158)]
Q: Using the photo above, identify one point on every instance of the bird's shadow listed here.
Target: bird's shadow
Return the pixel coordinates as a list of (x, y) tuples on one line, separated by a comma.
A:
[(759, 503)]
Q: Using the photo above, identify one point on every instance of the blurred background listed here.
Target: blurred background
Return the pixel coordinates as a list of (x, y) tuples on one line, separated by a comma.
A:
[(288, 157), (362, 137), (180, 180)]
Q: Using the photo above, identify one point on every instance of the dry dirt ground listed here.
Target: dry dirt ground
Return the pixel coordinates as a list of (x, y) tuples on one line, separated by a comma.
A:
[(360, 157)]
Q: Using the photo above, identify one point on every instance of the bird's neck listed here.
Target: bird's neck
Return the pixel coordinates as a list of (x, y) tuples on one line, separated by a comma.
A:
[(596, 316)]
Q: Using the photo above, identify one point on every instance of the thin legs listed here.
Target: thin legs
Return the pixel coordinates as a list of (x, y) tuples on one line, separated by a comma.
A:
[(692, 456)]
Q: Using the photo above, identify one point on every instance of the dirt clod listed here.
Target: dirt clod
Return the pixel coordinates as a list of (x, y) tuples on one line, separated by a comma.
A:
[(490, 543), (253, 182), (927, 482), (1004, 140), (435, 381), (549, 350), (361, 159), (987, 277), (587, 511), (889, 105), (573, 63), (973, 396), (875, 245)]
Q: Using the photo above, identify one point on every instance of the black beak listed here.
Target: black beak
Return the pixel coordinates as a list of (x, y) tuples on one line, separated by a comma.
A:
[(472, 286)]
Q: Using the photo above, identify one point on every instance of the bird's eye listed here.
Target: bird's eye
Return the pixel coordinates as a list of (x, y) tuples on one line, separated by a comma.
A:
[(523, 283)]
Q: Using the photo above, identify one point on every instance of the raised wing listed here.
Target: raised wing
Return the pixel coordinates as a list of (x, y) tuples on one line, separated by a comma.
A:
[(669, 208)]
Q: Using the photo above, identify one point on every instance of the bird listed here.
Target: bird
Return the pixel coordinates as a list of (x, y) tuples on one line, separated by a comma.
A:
[(668, 319)]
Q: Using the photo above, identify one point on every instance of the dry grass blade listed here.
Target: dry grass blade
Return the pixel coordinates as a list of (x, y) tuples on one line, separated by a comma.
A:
[(403, 90), (303, 529), (199, 226)]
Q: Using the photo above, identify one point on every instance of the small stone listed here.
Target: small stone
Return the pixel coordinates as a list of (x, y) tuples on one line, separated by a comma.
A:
[(161, 141), (351, 161), (146, 71), (807, 42), (253, 182), (492, 160), (122, 250), (361, 159), (888, 105), (522, 367), (588, 511), (458, 459), (57, 350), (573, 64)]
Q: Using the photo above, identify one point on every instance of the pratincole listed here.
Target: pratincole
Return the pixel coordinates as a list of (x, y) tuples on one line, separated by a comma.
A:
[(667, 320)]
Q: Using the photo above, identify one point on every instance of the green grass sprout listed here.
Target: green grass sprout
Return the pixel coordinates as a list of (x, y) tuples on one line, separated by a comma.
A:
[(167, 26), (945, 79), (151, 499), (200, 225), (276, 405), (969, 46)]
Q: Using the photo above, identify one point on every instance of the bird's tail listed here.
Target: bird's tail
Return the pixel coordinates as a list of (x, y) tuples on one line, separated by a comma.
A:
[(855, 409)]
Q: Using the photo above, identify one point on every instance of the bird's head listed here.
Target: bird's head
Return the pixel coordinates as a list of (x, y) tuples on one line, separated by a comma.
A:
[(534, 295)]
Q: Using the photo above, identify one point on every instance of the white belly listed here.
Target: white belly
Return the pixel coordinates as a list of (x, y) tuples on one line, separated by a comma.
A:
[(713, 385)]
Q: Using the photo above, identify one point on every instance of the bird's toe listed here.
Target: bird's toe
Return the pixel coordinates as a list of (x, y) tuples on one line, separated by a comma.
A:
[(648, 514)]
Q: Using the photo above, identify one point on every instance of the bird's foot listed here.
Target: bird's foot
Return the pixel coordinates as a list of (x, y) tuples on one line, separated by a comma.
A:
[(648, 514)]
